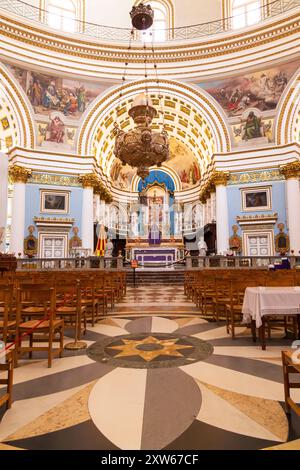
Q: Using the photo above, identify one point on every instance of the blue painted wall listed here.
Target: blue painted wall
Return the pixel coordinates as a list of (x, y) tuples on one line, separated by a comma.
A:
[(234, 195), (32, 204)]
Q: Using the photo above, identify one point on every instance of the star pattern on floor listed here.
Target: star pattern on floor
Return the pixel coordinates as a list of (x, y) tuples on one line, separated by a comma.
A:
[(157, 347)]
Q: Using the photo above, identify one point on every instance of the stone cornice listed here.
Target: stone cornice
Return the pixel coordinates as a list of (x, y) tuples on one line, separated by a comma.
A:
[(291, 170), (266, 36), (19, 174)]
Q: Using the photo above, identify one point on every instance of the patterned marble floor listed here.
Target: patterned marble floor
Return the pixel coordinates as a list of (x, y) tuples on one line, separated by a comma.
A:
[(155, 376)]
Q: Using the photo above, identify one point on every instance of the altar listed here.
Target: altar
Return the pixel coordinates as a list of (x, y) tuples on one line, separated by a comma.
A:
[(163, 255)]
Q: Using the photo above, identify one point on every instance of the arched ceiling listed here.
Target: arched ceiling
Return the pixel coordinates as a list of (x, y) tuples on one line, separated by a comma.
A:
[(191, 119), (16, 121)]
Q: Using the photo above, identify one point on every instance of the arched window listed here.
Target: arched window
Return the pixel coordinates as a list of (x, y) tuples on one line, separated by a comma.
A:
[(162, 22), (245, 13), (63, 14)]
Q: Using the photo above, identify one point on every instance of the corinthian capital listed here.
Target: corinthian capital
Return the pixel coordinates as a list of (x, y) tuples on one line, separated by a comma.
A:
[(90, 180), (219, 177), (291, 170), (19, 174)]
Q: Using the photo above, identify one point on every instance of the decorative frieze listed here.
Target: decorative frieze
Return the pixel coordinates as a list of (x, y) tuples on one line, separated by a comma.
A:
[(255, 177), (291, 170), (19, 174), (54, 180)]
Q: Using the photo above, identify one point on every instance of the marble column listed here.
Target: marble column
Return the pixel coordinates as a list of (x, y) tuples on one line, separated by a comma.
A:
[(19, 176), (89, 182), (3, 199), (219, 179), (291, 172)]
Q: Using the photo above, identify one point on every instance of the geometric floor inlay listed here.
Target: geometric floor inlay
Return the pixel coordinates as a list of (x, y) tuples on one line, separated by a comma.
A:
[(150, 350)]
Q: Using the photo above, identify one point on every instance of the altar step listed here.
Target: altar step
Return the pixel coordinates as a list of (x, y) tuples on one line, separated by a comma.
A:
[(143, 278)]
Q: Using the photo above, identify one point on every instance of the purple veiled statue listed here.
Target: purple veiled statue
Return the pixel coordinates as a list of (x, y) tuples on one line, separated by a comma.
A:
[(154, 235)]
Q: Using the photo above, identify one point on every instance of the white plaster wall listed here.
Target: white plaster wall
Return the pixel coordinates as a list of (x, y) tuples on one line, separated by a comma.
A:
[(3, 194)]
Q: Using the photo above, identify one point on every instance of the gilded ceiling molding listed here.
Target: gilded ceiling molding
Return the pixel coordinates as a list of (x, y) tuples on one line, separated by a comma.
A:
[(19, 174), (287, 108), (291, 170), (16, 96), (233, 43)]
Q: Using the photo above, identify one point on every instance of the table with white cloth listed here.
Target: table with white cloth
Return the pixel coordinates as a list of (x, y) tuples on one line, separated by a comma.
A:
[(261, 301)]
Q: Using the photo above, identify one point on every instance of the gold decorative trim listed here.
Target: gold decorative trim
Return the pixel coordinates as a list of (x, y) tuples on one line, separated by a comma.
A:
[(55, 180), (19, 174), (255, 177), (291, 170)]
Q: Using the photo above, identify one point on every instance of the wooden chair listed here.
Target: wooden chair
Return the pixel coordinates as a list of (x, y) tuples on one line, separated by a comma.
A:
[(44, 328), (234, 314), (89, 299), (287, 322), (290, 367), (8, 321), (7, 366), (69, 305)]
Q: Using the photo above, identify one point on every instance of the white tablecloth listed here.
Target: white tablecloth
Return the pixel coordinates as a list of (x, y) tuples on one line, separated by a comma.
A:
[(260, 301)]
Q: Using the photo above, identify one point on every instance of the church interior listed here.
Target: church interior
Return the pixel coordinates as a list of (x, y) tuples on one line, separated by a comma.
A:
[(149, 225)]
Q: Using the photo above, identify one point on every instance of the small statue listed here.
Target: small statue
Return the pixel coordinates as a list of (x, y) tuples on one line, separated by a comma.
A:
[(109, 248), (202, 247)]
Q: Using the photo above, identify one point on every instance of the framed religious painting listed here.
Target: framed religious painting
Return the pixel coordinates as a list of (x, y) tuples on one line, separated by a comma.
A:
[(55, 202), (256, 199)]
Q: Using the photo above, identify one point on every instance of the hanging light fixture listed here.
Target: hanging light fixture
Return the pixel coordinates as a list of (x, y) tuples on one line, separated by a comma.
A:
[(141, 147)]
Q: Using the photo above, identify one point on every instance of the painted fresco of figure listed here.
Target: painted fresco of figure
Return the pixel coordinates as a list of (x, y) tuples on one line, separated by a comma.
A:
[(50, 98), (252, 127), (81, 98), (56, 131)]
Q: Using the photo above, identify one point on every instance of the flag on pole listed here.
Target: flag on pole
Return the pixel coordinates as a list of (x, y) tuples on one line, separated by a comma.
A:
[(101, 243)]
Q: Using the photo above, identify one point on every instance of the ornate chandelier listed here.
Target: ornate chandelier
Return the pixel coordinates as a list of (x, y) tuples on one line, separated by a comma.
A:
[(141, 147)]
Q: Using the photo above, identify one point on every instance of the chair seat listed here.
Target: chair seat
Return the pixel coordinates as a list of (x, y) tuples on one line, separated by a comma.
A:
[(9, 324), (235, 308), (28, 325), (69, 310), (88, 301), (32, 310)]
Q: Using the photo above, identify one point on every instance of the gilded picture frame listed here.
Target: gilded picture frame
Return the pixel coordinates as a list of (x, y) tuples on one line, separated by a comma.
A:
[(256, 199), (54, 202)]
